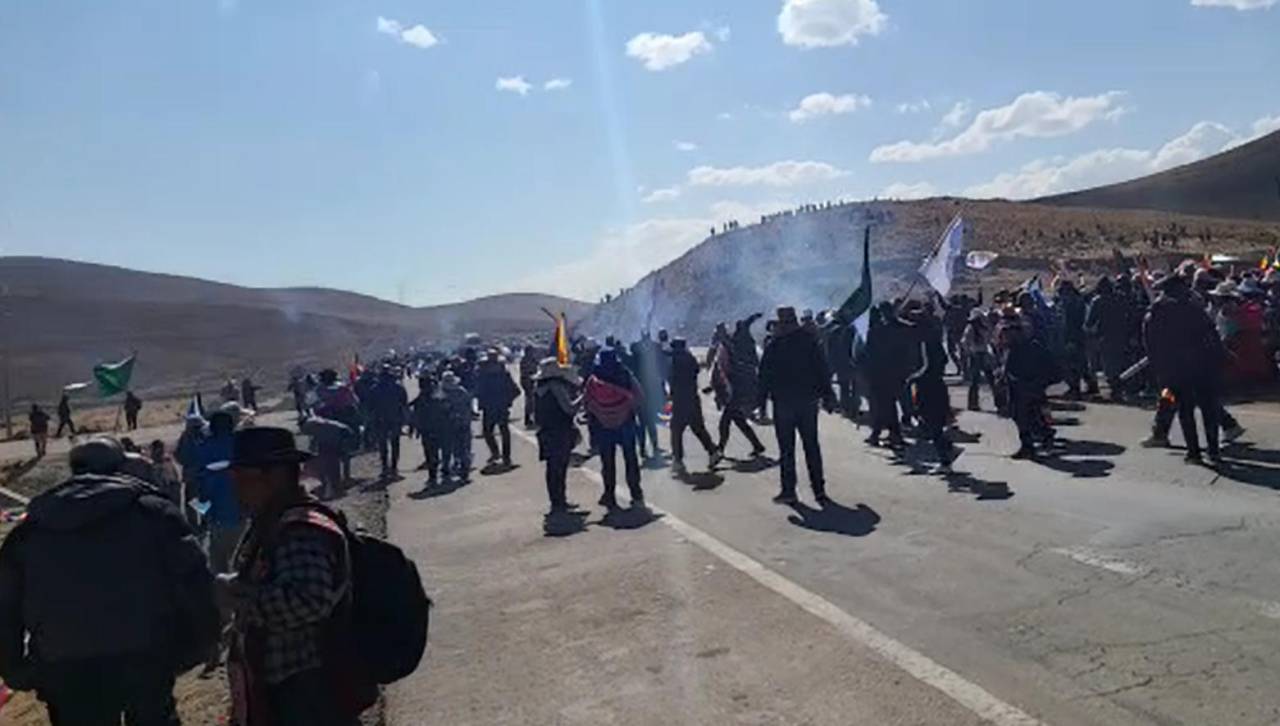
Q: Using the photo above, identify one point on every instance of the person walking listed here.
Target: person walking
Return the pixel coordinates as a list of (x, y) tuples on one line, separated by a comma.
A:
[(496, 391), (1187, 357), (686, 406), (248, 394), (330, 439), (64, 417), (38, 425), (611, 398), (389, 406), (132, 405), (647, 358), (105, 597), (1072, 309), (164, 474), (554, 410), (1109, 317), (456, 449), (975, 344), (933, 401), (794, 375), (292, 581), (740, 375), (529, 365), (1028, 368), (888, 347), (431, 421)]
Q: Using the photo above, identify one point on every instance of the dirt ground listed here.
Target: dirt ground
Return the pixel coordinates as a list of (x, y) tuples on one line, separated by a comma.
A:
[(201, 701), (97, 418)]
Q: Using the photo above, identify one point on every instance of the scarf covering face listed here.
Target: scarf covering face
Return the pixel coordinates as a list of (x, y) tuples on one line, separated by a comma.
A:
[(612, 405)]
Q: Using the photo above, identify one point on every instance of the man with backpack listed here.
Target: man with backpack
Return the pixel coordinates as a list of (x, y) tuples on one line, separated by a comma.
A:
[(321, 616), (105, 597)]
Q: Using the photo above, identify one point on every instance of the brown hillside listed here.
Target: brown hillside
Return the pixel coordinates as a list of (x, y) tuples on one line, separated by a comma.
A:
[(1243, 183)]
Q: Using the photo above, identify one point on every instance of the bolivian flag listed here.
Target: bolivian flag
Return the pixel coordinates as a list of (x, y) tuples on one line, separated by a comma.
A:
[(560, 342)]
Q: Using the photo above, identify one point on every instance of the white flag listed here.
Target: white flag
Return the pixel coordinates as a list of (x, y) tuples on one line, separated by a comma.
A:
[(937, 267), (977, 260)]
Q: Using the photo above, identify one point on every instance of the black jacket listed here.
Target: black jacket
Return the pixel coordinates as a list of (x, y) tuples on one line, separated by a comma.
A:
[(684, 379), (495, 389), (1182, 343), (102, 567), (793, 369)]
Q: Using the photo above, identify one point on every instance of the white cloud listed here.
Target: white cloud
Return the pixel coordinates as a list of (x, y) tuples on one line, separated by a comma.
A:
[(515, 84), (778, 174), (1108, 166), (418, 35), (1264, 126), (901, 190), (723, 33), (685, 146), (662, 195), (823, 104), (914, 106), (659, 52), (957, 115), (557, 84), (1038, 114), (724, 116), (828, 23), (1236, 4)]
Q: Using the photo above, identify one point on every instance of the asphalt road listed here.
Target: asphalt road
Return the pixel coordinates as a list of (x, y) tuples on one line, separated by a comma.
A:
[(1113, 585)]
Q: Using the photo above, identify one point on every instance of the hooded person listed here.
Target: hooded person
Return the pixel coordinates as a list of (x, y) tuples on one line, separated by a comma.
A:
[(388, 409), (555, 406), (794, 375), (1071, 308), (1027, 369), (686, 406), (105, 596), (611, 396)]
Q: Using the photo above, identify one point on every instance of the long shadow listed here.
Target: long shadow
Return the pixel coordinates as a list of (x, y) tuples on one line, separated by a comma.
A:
[(701, 481), (498, 469), (752, 466), (564, 524), (1251, 453), (441, 489), (633, 518), (985, 489), (1069, 447), (1090, 467), (1063, 405), (836, 518), (960, 436), (1251, 474)]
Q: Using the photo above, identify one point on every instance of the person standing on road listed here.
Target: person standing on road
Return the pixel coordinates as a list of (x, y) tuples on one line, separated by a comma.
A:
[(38, 425), (495, 393), (1028, 369), (686, 406), (740, 375), (292, 577), (647, 358), (529, 362), (132, 405), (888, 346), (1072, 308), (105, 597), (1187, 356), (456, 456), (975, 345), (794, 374), (431, 420), (389, 407), (1109, 317), (555, 407), (611, 397), (64, 417), (933, 401)]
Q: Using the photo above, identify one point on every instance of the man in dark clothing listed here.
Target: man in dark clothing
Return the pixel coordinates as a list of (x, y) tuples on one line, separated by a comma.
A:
[(495, 392), (1109, 317), (686, 405), (431, 421), (388, 408), (132, 405), (839, 351), (38, 425), (529, 360), (248, 394), (955, 316), (1072, 308), (64, 417), (647, 361), (794, 374), (741, 371), (933, 399), (889, 346), (292, 576), (554, 393), (105, 596), (1187, 356), (1028, 369)]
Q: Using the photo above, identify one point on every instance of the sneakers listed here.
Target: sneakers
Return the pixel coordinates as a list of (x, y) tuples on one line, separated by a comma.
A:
[(1229, 435), (822, 499), (786, 498), (1155, 442)]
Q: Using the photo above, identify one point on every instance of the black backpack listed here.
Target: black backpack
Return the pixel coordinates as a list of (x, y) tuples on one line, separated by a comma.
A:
[(388, 611)]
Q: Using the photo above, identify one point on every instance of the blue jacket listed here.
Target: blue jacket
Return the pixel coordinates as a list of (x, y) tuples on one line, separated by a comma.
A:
[(215, 486)]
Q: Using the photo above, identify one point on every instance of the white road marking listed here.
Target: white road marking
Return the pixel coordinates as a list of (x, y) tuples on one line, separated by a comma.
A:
[(15, 496), (967, 693), (1092, 558)]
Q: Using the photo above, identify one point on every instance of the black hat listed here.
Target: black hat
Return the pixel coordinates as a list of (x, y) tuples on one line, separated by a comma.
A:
[(261, 446)]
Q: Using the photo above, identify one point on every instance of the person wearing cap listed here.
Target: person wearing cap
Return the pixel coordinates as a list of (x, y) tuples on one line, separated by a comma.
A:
[(496, 391), (554, 410), (292, 573), (794, 375), (105, 596), (1187, 357), (686, 407)]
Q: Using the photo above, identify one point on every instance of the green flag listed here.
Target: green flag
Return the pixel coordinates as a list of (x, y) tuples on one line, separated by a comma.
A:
[(113, 378), (855, 308)]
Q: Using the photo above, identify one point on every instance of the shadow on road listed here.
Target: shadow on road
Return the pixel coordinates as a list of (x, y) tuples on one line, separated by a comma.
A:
[(633, 518), (1080, 468), (701, 481), (497, 469), (448, 486), (564, 524), (836, 518), (987, 490), (752, 466)]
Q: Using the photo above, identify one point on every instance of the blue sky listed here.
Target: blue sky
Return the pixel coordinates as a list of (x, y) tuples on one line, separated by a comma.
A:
[(427, 151)]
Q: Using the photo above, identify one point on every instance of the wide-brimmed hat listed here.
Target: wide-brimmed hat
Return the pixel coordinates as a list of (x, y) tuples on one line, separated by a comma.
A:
[(1226, 288), (549, 368), (262, 446)]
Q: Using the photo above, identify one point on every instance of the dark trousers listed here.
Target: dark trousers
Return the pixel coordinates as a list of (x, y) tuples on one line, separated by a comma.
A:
[(329, 467), (558, 458), (388, 446), (1203, 396), (733, 415), (527, 387), (847, 390), (100, 692), (1167, 412), (609, 443), (431, 453), (455, 450), (1026, 404), (65, 423), (499, 422), (1115, 359), (1076, 368), (131, 420), (935, 407), (798, 417), (884, 411), (691, 420), (647, 430), (980, 370), (908, 406), (306, 699)]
